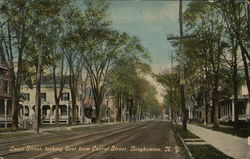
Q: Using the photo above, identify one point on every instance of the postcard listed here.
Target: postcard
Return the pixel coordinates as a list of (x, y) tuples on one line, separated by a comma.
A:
[(124, 79)]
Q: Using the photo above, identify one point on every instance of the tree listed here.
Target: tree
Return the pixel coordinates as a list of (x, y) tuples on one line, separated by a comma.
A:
[(74, 25), (236, 16), (201, 18), (19, 22), (128, 87), (170, 82)]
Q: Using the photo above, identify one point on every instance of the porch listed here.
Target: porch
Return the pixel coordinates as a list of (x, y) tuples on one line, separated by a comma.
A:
[(227, 110), (5, 113)]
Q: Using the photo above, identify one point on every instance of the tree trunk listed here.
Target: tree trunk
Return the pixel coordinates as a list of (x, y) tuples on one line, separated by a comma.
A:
[(215, 106), (207, 109), (243, 52), (38, 92), (55, 97), (57, 114), (131, 110), (98, 104), (16, 90), (235, 88), (118, 117), (98, 112), (74, 114), (15, 103)]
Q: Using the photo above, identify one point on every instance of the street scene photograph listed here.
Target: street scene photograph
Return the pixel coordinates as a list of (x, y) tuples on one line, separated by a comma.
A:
[(124, 79)]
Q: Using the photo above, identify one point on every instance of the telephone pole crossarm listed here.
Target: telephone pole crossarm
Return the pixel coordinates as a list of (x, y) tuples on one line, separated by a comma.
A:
[(181, 38)]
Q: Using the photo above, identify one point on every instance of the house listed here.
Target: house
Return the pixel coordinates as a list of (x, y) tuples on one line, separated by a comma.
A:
[(48, 107), (85, 106), (226, 106), (5, 96)]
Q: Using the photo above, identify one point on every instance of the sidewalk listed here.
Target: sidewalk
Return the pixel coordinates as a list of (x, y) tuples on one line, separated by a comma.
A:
[(233, 146)]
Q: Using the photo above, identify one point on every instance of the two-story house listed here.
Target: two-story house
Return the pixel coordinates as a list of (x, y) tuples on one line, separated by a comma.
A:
[(48, 107)]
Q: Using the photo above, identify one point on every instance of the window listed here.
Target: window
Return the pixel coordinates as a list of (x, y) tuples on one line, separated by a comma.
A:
[(26, 110), (65, 96), (5, 86), (43, 97), (80, 97), (26, 96)]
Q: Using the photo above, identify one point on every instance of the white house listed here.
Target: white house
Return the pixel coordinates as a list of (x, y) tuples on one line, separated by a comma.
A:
[(226, 106), (27, 104)]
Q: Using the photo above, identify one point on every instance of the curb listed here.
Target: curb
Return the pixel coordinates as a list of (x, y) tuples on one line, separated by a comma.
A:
[(187, 149)]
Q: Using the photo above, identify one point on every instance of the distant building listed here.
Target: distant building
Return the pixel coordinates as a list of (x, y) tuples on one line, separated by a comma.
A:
[(5, 96)]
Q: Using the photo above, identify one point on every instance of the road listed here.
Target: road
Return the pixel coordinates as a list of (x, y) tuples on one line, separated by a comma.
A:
[(140, 140)]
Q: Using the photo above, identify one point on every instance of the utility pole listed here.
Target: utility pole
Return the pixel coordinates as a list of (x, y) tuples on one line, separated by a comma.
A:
[(182, 80), (248, 19)]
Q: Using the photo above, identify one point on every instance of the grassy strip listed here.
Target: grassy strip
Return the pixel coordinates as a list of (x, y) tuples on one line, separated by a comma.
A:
[(10, 135), (179, 143), (199, 151), (54, 125), (3, 130), (195, 141), (184, 134), (206, 151), (241, 132), (77, 129)]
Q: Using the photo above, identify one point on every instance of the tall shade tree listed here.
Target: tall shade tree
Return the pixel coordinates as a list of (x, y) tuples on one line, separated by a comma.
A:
[(99, 47), (202, 19), (170, 82), (128, 87), (237, 18)]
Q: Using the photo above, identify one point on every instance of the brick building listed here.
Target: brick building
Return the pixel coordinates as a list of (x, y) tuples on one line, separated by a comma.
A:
[(5, 96)]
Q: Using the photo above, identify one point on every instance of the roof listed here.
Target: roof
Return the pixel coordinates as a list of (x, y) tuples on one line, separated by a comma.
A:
[(47, 80)]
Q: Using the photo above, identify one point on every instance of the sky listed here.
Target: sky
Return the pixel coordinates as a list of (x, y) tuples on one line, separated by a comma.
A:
[(151, 22)]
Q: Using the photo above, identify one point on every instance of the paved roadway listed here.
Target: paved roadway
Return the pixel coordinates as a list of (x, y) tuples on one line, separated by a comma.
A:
[(144, 140)]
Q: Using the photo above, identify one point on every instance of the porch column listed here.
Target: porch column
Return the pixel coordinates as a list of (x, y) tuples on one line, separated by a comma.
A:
[(5, 112), (232, 110), (67, 113), (51, 114), (221, 110), (5, 109), (79, 112), (224, 110), (226, 113), (229, 111), (248, 109), (189, 113)]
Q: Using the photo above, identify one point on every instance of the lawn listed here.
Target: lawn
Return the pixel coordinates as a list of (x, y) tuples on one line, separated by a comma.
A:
[(206, 152), (3, 130), (184, 134), (10, 135), (198, 151)]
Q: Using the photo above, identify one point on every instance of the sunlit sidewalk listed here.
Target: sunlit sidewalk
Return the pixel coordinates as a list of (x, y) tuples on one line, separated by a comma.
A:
[(233, 146)]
